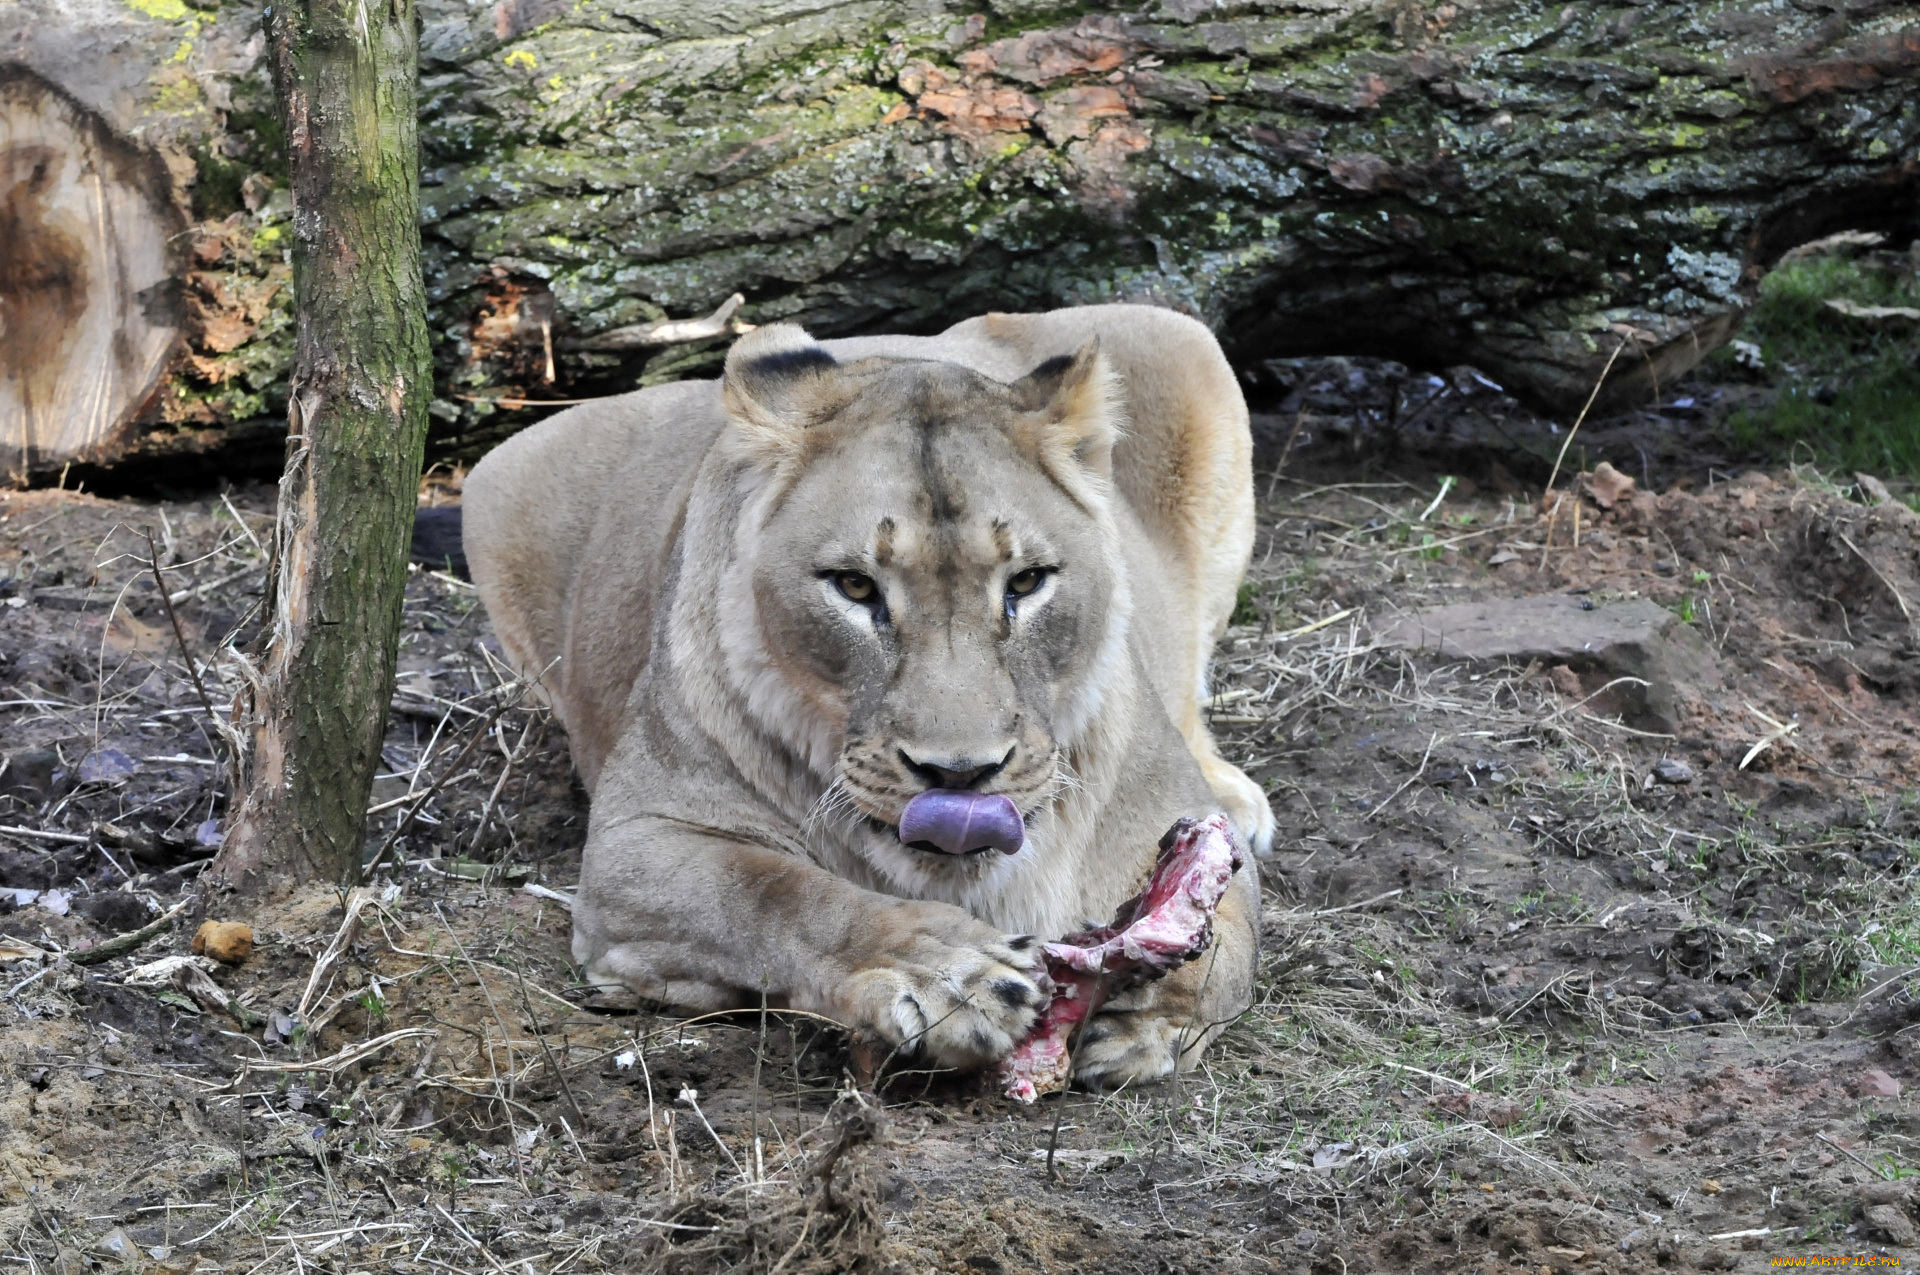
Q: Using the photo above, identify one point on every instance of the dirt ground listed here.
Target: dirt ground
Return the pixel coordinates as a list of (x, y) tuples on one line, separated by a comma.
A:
[(1525, 1005)]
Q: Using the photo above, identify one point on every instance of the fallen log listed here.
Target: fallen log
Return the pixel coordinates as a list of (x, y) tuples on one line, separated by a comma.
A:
[(1521, 188)]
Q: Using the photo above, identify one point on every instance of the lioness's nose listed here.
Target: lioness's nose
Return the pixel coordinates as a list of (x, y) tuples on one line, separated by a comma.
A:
[(954, 772)]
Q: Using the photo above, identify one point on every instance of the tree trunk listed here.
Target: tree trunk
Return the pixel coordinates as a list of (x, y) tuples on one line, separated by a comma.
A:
[(346, 71), (1521, 187)]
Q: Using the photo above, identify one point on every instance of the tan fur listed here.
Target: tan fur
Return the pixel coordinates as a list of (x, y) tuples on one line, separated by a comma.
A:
[(750, 733)]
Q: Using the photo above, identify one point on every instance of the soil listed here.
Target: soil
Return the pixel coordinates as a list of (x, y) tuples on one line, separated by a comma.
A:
[(1525, 1005)]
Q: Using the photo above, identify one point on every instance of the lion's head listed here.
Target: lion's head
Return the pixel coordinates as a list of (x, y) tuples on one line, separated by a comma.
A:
[(924, 588)]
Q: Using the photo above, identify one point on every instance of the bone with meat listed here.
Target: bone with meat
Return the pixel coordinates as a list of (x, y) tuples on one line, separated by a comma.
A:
[(1161, 928)]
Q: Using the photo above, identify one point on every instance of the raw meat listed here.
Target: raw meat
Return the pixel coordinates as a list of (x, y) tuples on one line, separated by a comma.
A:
[(1161, 928)]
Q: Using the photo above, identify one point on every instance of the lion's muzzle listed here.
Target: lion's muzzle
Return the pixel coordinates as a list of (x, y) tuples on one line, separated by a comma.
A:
[(954, 822)]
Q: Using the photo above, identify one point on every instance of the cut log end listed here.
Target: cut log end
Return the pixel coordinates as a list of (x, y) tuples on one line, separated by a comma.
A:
[(86, 323)]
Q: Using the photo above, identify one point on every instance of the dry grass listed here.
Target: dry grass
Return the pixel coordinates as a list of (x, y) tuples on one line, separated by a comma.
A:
[(467, 1106)]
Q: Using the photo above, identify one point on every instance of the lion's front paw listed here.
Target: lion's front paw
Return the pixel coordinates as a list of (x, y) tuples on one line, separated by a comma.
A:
[(957, 1003)]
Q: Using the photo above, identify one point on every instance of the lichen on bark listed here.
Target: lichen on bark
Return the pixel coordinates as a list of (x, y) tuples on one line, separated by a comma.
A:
[(1520, 186)]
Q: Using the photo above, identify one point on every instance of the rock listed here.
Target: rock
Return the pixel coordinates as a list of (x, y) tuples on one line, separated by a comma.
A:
[(1890, 1224), (1671, 770), (1875, 1083), (1607, 485), (1631, 639), (227, 941), (1883, 1192), (1872, 490)]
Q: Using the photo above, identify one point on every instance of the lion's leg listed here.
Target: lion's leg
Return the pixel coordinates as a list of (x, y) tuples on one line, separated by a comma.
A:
[(703, 922), (1222, 545), (1243, 800), (1141, 1036)]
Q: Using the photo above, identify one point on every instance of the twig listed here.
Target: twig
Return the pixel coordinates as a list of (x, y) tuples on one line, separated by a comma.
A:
[(1876, 1172), (559, 1073), (357, 901), (1780, 731), (173, 618), (1882, 578), (346, 1057), (666, 332), (65, 838), (217, 1227), (1446, 485), (482, 1249), (406, 820), (1279, 466), (692, 1098), (1411, 779), (125, 943), (505, 1035), (1567, 442), (1364, 903), (1430, 1075), (1315, 627)]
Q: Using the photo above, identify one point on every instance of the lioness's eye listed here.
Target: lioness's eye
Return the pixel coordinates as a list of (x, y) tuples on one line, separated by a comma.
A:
[(1025, 582), (856, 587)]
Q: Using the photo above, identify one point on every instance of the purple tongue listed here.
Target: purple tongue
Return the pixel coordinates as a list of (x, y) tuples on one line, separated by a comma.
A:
[(962, 822)]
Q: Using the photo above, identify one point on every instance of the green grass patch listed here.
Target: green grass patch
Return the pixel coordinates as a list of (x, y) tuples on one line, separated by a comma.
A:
[(1847, 389)]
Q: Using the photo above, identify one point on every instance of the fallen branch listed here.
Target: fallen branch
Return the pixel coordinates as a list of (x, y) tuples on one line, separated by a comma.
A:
[(125, 943), (357, 901)]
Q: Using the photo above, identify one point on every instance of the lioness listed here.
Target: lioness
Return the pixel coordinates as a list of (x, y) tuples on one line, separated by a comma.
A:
[(969, 582)]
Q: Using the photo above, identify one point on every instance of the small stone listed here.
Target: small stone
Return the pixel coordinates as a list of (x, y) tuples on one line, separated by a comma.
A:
[(230, 942), (1890, 1224), (1883, 1192), (1671, 770), (1305, 1240), (1607, 485), (1875, 1083)]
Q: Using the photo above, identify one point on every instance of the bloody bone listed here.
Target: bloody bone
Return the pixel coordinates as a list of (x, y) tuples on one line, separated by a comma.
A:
[(1164, 926)]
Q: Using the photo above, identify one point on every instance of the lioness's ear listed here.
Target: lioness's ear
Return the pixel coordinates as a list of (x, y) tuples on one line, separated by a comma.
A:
[(1075, 399), (778, 382)]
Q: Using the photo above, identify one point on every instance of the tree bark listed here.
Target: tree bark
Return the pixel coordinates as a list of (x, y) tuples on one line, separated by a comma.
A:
[(346, 73), (1513, 185)]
